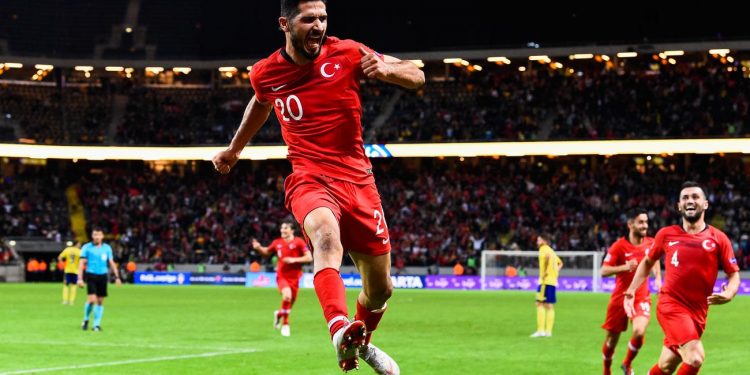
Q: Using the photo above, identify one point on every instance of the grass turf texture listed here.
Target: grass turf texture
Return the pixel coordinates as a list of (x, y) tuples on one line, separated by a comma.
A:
[(228, 330)]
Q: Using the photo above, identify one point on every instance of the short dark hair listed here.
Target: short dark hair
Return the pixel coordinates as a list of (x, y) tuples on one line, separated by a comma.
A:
[(546, 237), (692, 184), (635, 212), (290, 223), (97, 228), (290, 8)]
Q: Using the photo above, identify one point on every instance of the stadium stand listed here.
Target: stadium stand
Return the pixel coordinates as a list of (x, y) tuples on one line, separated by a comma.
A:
[(438, 211)]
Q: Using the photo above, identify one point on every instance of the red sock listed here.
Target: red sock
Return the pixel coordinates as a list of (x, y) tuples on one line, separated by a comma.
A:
[(686, 369), (371, 319), (607, 353), (656, 370), (332, 296), (286, 308), (633, 347)]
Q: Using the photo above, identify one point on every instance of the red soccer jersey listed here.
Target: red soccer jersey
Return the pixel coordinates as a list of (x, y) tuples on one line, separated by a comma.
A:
[(319, 109), (692, 263), (292, 249), (619, 253)]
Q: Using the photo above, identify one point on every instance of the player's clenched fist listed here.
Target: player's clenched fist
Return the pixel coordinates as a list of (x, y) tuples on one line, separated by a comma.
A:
[(373, 66), (225, 160)]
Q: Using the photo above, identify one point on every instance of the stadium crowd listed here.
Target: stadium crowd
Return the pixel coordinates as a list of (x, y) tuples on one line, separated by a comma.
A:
[(439, 212), (629, 102)]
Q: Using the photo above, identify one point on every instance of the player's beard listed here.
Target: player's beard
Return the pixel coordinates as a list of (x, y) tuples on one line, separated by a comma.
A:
[(299, 45), (692, 219)]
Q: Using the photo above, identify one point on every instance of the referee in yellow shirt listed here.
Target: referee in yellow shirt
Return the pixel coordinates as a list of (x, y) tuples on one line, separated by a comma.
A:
[(549, 267), (70, 255)]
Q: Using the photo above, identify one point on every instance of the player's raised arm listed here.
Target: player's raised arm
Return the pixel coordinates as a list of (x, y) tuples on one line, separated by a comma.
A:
[(641, 275), (256, 114), (263, 250), (392, 70)]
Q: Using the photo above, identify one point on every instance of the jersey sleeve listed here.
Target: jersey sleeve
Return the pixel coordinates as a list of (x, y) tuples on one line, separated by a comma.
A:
[(255, 76), (84, 251), (356, 56), (656, 250), (726, 255), (63, 253), (109, 254), (614, 255)]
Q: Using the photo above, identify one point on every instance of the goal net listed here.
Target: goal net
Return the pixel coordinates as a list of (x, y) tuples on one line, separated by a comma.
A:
[(519, 270)]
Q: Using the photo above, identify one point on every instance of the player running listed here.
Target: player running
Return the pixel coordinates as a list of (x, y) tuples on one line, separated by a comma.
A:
[(313, 85), (622, 259), (292, 252), (693, 253)]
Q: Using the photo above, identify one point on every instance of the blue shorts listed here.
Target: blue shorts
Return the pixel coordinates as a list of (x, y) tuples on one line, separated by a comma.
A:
[(71, 278), (550, 293)]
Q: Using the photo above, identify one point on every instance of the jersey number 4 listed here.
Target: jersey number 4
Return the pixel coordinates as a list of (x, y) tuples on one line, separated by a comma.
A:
[(674, 260), (288, 107)]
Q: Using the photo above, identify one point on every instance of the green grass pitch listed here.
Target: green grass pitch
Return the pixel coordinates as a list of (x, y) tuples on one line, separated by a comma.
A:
[(228, 330)]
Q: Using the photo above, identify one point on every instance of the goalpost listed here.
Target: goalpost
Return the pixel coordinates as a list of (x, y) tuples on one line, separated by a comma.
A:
[(582, 264)]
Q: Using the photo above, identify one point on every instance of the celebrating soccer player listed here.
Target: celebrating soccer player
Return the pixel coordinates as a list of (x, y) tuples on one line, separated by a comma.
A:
[(692, 253), (313, 85), (622, 259), (292, 252), (96, 256), (549, 268)]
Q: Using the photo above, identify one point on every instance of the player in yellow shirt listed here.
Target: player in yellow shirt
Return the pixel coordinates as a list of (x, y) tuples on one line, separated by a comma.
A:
[(71, 255), (549, 268)]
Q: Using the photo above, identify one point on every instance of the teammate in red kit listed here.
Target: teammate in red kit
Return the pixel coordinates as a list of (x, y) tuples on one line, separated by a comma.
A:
[(693, 253), (292, 253), (622, 259), (313, 85)]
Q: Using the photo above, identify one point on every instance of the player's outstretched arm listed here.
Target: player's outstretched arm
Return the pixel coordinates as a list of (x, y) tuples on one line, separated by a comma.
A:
[(263, 250), (307, 258), (728, 291), (641, 275), (392, 70), (256, 114), (614, 270)]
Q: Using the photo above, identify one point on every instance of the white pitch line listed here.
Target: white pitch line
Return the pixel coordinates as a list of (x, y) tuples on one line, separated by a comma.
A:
[(134, 345), (129, 362)]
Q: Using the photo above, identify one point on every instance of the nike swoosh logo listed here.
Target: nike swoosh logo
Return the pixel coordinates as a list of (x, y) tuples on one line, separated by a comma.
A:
[(672, 243), (274, 89), (628, 254), (385, 241)]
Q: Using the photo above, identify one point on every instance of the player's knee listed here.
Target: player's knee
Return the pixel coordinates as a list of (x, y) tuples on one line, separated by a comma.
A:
[(325, 238), (638, 333), (695, 358)]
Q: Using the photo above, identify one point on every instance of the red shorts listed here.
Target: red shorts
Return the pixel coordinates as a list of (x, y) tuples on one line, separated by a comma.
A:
[(292, 284), (357, 208), (617, 319), (680, 325)]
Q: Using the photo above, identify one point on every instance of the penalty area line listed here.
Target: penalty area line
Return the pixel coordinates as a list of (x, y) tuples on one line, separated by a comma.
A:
[(130, 361)]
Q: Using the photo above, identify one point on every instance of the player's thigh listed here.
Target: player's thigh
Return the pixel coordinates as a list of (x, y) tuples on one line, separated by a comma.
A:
[(668, 359), (692, 352), (363, 224), (616, 321), (678, 326), (640, 323), (313, 202), (375, 271)]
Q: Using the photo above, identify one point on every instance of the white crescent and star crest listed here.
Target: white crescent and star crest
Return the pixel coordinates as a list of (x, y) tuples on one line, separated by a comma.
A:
[(324, 70), (709, 245)]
